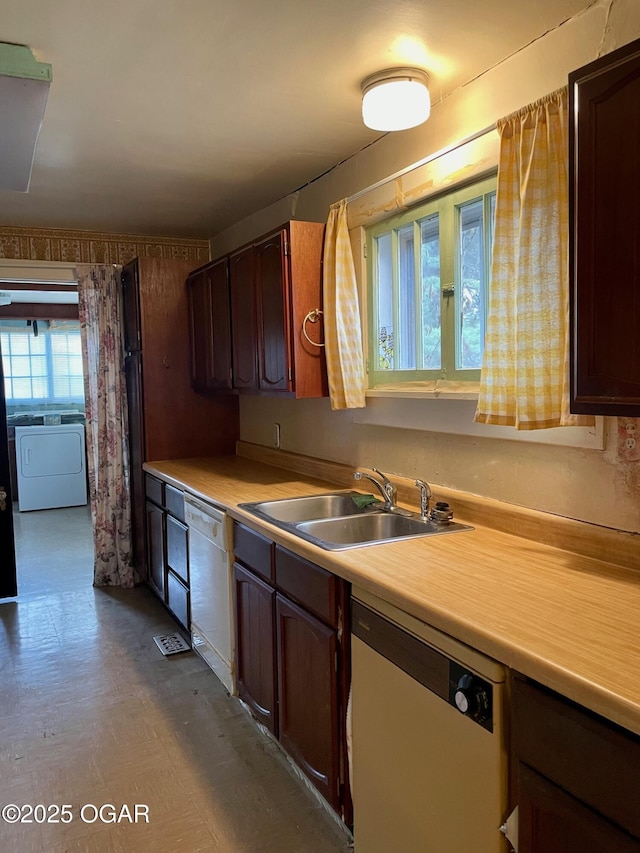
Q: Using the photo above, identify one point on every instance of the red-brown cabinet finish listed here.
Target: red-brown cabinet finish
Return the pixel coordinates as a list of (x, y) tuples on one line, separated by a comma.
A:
[(308, 696), (255, 646), (604, 216), (244, 322), (167, 418), (275, 283), (210, 319)]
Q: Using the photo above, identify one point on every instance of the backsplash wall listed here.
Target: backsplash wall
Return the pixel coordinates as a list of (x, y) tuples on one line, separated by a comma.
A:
[(586, 484)]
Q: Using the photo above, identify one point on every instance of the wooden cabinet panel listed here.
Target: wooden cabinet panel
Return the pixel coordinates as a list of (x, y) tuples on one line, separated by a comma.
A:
[(308, 584), (155, 549), (255, 646), (574, 776), (154, 489), (552, 821), (178, 599), (308, 696), (254, 550), (131, 309), (174, 501), (210, 321), (244, 321), (201, 331), (604, 169), (272, 291), (177, 548)]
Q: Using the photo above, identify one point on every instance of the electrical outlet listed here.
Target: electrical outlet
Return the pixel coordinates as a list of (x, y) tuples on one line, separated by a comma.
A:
[(628, 440), (276, 435)]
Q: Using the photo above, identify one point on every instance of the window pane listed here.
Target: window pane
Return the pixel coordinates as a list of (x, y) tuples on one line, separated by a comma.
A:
[(385, 303), (470, 292), (431, 329), (406, 345)]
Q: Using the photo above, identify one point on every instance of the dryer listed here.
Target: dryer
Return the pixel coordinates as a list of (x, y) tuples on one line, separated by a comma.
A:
[(51, 465)]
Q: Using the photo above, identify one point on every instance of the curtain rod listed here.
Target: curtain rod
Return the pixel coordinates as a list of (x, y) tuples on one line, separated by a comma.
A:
[(449, 148)]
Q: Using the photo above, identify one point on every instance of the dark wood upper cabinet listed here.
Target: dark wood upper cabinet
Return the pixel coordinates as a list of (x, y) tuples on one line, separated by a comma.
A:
[(210, 320), (244, 322), (275, 283), (604, 215), (272, 292)]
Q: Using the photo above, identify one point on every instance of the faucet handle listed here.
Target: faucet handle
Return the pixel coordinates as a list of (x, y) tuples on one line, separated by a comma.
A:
[(425, 497)]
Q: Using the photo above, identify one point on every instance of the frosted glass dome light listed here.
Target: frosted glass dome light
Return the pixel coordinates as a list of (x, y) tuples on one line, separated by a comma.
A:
[(395, 99)]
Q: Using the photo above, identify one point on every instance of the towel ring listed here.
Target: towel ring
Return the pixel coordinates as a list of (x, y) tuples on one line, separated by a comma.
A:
[(312, 317)]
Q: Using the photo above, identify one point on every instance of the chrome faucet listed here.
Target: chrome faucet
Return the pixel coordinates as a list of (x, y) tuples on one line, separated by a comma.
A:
[(386, 489), (425, 497)]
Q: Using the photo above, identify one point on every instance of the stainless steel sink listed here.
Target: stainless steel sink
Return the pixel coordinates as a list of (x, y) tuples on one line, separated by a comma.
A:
[(337, 520), (306, 508), (373, 528)]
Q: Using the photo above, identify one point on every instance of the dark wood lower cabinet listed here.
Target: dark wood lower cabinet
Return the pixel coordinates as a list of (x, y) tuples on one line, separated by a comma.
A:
[(255, 646), (575, 776), (293, 648), (155, 549), (308, 695)]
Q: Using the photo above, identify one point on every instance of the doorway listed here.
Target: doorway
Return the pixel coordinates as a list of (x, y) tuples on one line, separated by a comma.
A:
[(43, 402)]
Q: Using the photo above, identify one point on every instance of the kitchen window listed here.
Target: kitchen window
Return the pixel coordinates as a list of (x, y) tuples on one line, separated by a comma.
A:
[(42, 362), (428, 279)]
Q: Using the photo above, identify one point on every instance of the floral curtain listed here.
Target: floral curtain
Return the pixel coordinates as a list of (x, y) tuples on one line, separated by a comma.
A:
[(525, 372), (342, 333), (106, 418)]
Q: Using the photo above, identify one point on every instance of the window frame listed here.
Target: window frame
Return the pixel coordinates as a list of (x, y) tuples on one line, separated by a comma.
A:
[(446, 205), (49, 376)]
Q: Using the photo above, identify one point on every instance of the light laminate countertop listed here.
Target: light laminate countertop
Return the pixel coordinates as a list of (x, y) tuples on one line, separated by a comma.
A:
[(569, 621)]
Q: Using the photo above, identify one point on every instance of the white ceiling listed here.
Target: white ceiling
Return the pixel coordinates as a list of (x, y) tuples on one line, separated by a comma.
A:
[(180, 117)]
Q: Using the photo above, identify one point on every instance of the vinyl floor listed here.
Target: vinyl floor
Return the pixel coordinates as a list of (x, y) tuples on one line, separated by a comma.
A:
[(107, 745)]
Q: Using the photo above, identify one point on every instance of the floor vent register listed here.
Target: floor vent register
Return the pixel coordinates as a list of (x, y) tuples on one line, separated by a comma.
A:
[(171, 644)]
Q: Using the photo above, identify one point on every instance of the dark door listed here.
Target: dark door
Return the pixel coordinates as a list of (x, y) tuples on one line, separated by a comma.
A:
[(220, 324), (244, 328), (255, 646), (308, 696), (8, 582), (273, 313)]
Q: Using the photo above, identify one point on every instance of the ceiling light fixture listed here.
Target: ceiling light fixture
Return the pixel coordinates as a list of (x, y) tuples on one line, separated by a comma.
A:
[(395, 99), (24, 87)]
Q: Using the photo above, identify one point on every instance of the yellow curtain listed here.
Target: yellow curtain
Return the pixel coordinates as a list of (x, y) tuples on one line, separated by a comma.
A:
[(342, 334), (525, 372)]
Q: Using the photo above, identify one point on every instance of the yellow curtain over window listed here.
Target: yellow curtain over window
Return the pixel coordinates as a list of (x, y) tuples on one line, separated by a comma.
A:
[(342, 331), (525, 372)]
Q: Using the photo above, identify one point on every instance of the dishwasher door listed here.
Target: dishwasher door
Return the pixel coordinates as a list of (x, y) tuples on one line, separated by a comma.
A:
[(425, 777), (210, 587)]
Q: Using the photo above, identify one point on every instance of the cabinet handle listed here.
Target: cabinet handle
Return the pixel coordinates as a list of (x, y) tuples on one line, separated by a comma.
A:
[(312, 317)]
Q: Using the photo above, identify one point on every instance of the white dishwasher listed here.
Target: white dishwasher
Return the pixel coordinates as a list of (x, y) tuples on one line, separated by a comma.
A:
[(211, 590), (428, 759)]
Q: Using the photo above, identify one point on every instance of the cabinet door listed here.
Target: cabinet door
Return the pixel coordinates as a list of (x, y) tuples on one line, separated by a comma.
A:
[(220, 376), (201, 331), (604, 127), (272, 289), (155, 550), (244, 327), (255, 646), (177, 548), (308, 696), (552, 821)]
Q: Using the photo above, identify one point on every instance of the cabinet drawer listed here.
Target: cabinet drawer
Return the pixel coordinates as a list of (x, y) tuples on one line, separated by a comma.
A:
[(566, 743), (154, 489), (177, 548), (178, 599), (254, 550), (174, 501), (310, 585)]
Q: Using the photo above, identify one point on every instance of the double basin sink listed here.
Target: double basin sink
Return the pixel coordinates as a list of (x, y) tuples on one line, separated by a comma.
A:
[(341, 520)]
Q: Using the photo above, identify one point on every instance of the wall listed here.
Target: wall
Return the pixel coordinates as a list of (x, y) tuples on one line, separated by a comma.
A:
[(591, 485)]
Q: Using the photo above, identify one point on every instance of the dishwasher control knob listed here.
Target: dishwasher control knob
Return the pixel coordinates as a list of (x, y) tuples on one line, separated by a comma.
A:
[(472, 699)]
